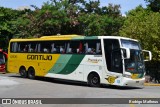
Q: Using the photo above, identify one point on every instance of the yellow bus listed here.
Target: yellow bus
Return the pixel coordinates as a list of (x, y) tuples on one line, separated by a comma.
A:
[(93, 59)]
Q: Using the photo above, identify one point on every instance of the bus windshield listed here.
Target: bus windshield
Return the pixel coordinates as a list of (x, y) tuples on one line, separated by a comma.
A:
[(135, 64), (130, 44)]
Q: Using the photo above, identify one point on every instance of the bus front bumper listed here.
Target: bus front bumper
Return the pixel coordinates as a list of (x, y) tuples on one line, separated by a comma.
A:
[(133, 82)]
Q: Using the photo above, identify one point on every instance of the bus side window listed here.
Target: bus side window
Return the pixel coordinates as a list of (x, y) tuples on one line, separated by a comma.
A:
[(25, 49), (14, 47), (69, 49), (38, 47), (98, 48), (75, 47), (86, 47), (92, 47), (80, 48), (45, 46), (53, 48), (61, 48), (30, 48), (45, 50)]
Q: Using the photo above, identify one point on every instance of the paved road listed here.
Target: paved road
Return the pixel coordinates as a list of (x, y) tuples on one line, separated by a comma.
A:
[(16, 87)]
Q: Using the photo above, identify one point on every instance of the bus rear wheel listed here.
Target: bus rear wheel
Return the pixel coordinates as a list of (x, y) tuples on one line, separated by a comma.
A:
[(23, 72), (31, 73), (94, 80)]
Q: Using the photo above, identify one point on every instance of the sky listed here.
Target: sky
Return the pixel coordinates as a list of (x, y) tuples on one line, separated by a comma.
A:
[(126, 5)]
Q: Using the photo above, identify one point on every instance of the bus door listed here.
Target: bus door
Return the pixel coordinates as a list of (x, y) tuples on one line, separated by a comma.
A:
[(113, 57)]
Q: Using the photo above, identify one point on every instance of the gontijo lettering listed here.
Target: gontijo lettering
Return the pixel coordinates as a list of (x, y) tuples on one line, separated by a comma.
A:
[(39, 57)]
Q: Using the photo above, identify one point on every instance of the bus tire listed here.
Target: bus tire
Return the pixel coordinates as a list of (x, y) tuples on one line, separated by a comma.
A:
[(31, 73), (23, 72), (93, 80)]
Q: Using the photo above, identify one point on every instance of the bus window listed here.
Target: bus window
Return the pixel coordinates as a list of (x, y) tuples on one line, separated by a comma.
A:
[(14, 47), (69, 49), (61, 48), (58, 47), (98, 48), (53, 48), (32, 47), (75, 47), (25, 49), (45, 46), (92, 47), (28, 47), (80, 47)]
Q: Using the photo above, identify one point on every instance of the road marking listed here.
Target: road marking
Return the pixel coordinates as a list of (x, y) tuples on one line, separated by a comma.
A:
[(151, 84), (132, 105)]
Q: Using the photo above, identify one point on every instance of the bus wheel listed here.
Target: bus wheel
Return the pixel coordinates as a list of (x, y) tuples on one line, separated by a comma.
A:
[(94, 80), (23, 72), (31, 73)]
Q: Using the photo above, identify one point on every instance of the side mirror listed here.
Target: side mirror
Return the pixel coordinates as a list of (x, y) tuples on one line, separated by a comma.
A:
[(147, 55), (126, 53)]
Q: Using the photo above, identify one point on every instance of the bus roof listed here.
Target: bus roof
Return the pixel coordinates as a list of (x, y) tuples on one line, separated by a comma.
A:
[(71, 37)]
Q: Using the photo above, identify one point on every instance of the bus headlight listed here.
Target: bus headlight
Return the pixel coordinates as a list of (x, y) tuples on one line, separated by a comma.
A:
[(126, 75)]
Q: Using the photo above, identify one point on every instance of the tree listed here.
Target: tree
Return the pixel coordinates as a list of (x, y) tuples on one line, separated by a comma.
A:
[(154, 5), (62, 17), (96, 20), (88, 18), (144, 25), (7, 18), (71, 17)]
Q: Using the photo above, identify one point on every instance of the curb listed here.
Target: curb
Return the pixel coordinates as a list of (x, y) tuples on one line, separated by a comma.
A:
[(151, 84)]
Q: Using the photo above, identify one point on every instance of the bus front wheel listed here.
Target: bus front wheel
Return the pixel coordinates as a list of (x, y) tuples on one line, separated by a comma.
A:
[(94, 80), (23, 72), (31, 73)]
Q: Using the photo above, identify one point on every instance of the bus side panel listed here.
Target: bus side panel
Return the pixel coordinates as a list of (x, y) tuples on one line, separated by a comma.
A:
[(76, 67), (13, 63), (67, 67), (92, 63), (41, 63)]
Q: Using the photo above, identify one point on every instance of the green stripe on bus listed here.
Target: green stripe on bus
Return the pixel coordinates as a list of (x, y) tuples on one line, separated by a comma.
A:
[(66, 64), (91, 37), (60, 64), (72, 65), (86, 37)]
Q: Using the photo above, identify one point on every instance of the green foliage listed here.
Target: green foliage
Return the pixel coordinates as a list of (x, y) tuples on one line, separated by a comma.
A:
[(60, 17), (7, 17), (96, 20), (71, 17), (154, 5), (144, 25)]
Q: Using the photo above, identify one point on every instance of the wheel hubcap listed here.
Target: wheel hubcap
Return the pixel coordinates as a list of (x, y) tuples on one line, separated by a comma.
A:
[(22, 72), (95, 80)]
